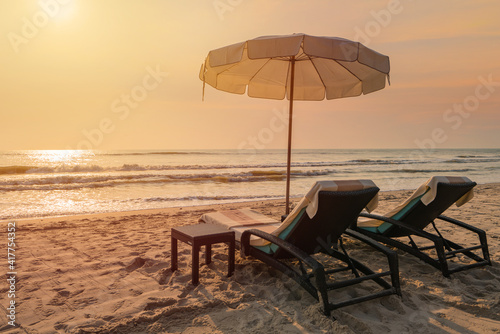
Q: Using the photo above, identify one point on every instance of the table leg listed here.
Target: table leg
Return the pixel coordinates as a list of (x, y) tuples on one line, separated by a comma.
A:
[(208, 254), (231, 258), (173, 253), (196, 264)]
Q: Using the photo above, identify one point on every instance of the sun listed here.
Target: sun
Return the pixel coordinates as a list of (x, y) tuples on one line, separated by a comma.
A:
[(65, 10)]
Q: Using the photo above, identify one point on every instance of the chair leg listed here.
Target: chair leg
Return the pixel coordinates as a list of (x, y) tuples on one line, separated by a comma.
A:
[(443, 264), (394, 267), (484, 244), (320, 276)]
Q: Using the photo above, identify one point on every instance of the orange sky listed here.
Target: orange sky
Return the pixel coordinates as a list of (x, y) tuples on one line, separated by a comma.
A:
[(123, 74)]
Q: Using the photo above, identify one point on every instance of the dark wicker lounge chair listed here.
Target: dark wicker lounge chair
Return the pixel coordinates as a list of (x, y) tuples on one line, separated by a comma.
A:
[(293, 252), (411, 220)]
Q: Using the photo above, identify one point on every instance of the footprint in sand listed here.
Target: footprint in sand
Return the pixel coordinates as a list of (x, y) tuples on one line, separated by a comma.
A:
[(82, 302), (393, 304), (163, 276), (60, 298), (159, 303), (135, 292), (137, 263)]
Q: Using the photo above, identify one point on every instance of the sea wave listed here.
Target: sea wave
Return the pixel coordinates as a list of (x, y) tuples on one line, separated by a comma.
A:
[(207, 198), (12, 170), (152, 153), (425, 171), (471, 160), (15, 169), (72, 182), (83, 168)]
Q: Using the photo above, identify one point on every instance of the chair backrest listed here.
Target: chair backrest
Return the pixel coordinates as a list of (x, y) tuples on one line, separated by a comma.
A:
[(337, 210), (420, 215)]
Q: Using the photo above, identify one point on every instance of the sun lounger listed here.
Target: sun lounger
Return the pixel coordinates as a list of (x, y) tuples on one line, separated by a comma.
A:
[(315, 226), (412, 218)]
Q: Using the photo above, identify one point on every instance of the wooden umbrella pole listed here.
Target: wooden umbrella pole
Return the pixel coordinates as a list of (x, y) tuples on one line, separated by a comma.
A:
[(289, 155)]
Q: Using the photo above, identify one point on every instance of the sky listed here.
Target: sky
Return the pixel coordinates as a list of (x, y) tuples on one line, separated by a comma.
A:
[(123, 74)]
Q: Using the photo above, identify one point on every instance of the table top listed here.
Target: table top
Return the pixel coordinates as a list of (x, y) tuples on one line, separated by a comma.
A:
[(200, 230)]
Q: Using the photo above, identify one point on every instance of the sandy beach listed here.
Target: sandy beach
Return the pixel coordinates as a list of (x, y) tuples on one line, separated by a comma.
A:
[(111, 273), (122, 121)]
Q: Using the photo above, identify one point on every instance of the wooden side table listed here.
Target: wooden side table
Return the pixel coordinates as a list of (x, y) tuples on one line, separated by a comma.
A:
[(202, 235)]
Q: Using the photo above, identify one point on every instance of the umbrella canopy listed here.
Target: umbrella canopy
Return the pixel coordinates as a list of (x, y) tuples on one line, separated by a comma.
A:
[(298, 67)]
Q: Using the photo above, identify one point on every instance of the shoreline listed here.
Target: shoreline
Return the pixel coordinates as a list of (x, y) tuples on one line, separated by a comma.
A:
[(165, 210), (110, 272)]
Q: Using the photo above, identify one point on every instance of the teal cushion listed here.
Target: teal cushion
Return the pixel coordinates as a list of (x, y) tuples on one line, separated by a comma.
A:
[(372, 229), (385, 225), (271, 248)]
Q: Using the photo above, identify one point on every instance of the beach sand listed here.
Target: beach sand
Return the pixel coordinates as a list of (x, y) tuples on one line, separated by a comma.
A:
[(111, 273)]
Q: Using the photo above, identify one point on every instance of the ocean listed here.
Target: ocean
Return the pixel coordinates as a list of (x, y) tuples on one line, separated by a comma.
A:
[(56, 183)]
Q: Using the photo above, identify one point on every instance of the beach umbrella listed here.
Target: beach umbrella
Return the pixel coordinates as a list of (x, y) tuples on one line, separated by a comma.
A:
[(298, 67)]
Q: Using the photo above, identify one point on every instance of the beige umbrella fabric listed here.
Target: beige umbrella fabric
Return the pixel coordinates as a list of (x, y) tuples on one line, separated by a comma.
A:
[(298, 67)]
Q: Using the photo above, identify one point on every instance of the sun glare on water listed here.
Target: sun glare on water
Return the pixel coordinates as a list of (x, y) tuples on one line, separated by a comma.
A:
[(58, 156)]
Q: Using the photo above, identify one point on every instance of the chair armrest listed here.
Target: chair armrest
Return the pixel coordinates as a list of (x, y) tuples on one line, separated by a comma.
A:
[(461, 224), (295, 251), (410, 228)]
